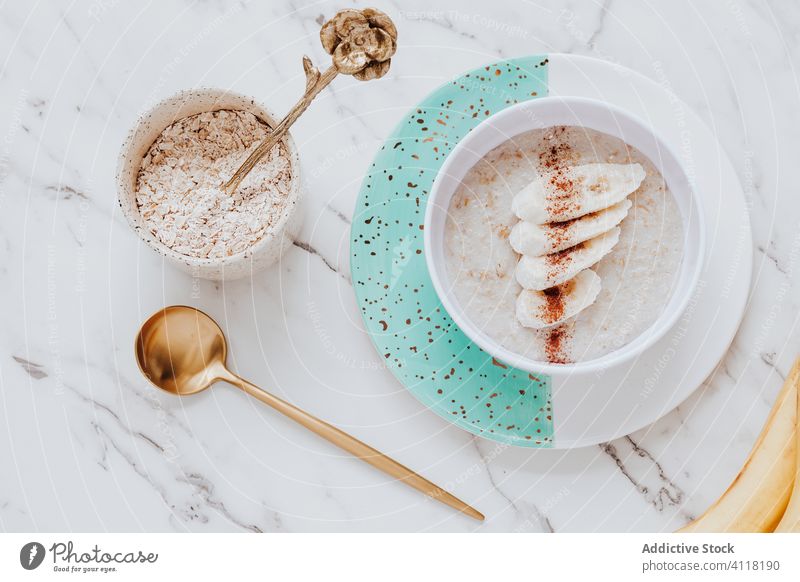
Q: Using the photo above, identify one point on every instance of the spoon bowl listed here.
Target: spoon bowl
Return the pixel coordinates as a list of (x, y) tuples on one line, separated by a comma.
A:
[(179, 349), (182, 350)]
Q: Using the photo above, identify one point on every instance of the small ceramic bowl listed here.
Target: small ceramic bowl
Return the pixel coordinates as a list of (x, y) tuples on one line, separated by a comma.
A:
[(581, 112), (263, 253)]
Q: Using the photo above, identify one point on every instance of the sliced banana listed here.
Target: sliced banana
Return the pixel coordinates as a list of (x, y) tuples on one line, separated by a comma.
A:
[(539, 273), (559, 195), (536, 240), (548, 308)]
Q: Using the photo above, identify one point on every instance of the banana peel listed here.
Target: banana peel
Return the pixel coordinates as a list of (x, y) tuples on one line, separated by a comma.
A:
[(790, 522), (760, 494)]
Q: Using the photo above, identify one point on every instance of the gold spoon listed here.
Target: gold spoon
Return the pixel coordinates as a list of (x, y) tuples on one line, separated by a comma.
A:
[(182, 350)]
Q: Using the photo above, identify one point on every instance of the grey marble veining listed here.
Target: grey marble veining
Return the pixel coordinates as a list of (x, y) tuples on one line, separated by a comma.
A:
[(87, 445)]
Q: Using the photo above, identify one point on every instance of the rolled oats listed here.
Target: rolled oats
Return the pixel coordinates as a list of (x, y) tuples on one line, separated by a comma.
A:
[(179, 186)]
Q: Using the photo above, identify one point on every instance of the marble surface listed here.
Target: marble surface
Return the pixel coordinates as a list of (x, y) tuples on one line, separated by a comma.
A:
[(87, 445)]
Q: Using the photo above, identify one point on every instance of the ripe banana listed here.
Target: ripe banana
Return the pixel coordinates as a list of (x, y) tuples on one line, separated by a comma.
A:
[(540, 273), (535, 309), (564, 194), (758, 497), (790, 523)]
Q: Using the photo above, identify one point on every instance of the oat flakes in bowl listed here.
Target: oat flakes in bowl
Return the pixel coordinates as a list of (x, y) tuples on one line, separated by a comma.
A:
[(170, 174)]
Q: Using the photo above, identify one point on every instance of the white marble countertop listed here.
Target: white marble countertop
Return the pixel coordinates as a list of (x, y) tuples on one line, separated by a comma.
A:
[(86, 444)]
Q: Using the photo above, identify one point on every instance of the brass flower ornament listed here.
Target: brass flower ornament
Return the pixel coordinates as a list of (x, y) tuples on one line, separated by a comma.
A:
[(362, 42)]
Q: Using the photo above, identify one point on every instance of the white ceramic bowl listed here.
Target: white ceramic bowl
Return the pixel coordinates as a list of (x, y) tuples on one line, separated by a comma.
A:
[(574, 111), (263, 253)]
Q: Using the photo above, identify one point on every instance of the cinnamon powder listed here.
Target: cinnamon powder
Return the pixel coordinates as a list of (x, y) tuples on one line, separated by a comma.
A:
[(553, 308), (556, 159), (555, 345)]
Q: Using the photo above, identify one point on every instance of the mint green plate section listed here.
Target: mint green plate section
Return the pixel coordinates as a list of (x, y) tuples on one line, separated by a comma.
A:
[(422, 346)]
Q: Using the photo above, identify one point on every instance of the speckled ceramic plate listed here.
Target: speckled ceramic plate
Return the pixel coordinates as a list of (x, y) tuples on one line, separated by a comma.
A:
[(440, 365)]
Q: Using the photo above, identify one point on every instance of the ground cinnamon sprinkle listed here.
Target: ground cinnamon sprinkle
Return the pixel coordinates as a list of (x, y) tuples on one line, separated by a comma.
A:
[(555, 345), (557, 340), (564, 257), (562, 184), (553, 309), (556, 154), (563, 199), (556, 159), (558, 262), (558, 232)]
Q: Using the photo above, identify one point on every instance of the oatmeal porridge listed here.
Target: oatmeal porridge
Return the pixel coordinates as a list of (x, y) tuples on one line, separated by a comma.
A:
[(563, 244)]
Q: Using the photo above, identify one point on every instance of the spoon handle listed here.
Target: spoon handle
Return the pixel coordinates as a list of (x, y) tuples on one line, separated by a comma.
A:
[(355, 447), (314, 84)]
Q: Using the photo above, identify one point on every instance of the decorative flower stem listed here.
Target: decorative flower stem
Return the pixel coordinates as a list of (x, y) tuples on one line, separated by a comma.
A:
[(361, 42), (314, 84)]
